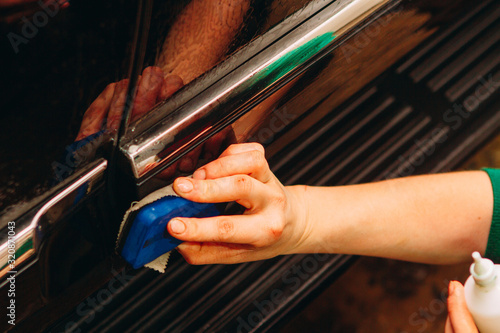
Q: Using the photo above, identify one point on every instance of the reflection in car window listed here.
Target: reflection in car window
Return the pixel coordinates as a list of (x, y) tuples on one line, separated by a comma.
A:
[(66, 82), (57, 58), (188, 38)]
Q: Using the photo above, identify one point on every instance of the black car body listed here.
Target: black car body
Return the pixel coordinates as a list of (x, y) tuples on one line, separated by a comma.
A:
[(339, 92)]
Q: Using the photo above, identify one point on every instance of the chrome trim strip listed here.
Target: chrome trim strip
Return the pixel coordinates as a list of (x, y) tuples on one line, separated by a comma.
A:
[(244, 83), (27, 234)]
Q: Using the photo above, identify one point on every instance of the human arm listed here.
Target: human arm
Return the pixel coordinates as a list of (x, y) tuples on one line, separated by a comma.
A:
[(198, 40), (439, 219), (433, 218), (200, 37)]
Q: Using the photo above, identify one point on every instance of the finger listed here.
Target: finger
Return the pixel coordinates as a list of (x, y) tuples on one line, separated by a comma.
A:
[(148, 90), (170, 85), (215, 253), (243, 189), (12, 3), (93, 118), (447, 326), (242, 148), (252, 163), (239, 229), (117, 105), (460, 318), (236, 229)]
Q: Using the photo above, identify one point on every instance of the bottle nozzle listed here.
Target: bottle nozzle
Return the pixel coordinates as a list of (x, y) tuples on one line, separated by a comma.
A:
[(482, 269), (479, 267)]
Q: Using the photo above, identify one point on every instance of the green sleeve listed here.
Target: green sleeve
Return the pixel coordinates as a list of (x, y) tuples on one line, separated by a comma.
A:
[(493, 246)]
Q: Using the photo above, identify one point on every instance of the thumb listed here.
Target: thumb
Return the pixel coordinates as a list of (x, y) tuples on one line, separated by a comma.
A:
[(460, 319)]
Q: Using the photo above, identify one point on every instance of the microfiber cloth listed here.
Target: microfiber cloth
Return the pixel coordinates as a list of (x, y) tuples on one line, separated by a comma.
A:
[(159, 263)]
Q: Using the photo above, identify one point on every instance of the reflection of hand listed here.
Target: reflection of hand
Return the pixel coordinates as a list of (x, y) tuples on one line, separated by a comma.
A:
[(271, 225), (459, 318), (14, 10), (203, 153), (107, 109)]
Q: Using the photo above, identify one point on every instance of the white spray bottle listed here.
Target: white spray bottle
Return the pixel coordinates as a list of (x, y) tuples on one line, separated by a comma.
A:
[(482, 294)]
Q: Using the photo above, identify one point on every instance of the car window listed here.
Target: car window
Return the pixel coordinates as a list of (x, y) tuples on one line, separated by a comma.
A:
[(68, 72), (189, 38), (57, 58)]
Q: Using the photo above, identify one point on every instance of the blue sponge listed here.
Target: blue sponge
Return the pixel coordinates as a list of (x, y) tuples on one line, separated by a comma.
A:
[(148, 237)]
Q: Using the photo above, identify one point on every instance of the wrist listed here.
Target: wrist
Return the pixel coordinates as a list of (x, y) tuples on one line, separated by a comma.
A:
[(327, 230), (299, 219)]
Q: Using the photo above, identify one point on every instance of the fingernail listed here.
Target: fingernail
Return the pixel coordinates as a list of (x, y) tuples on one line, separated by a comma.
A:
[(200, 174), (456, 289), (184, 185), (451, 288), (177, 226)]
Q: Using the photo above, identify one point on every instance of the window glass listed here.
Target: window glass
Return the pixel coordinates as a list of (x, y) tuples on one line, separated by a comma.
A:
[(191, 45), (65, 73), (190, 37), (58, 57)]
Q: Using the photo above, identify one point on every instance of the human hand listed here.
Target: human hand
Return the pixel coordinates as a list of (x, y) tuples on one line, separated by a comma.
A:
[(272, 224), (459, 318), (107, 108)]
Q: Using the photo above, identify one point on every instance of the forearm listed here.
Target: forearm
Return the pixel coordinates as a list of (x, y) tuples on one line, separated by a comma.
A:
[(200, 37), (433, 219)]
